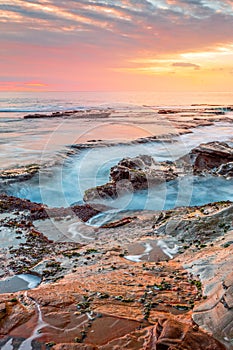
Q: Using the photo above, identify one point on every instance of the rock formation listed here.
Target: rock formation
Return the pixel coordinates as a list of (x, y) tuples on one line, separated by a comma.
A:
[(70, 114), (19, 174), (141, 172), (148, 280), (149, 304), (210, 156)]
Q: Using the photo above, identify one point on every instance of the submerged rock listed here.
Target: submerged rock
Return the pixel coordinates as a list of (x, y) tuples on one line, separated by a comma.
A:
[(70, 114), (19, 173)]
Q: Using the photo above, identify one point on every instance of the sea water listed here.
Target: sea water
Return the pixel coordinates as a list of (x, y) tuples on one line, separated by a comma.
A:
[(32, 141), (64, 183)]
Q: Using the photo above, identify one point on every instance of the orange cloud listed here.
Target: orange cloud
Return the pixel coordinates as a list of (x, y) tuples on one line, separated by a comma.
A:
[(35, 84), (125, 44), (21, 86)]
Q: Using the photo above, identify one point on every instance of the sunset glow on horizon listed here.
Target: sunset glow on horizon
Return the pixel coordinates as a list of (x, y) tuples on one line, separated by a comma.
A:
[(104, 45)]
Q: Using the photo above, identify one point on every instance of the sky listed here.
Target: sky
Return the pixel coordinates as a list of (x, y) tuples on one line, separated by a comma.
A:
[(105, 45)]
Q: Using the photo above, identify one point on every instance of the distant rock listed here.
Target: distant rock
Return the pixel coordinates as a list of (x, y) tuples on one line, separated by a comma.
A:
[(218, 110), (70, 114), (19, 173)]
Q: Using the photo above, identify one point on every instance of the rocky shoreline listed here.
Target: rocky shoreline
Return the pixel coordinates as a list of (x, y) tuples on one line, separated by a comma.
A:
[(144, 280), (70, 114), (97, 281)]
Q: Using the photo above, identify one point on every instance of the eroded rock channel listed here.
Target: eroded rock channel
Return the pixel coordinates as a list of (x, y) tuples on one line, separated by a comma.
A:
[(140, 280)]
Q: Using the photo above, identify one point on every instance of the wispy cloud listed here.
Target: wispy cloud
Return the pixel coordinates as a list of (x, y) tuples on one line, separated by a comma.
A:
[(106, 35), (148, 22), (186, 65)]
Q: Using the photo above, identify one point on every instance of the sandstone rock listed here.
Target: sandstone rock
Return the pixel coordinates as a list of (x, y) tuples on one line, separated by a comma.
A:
[(118, 304), (37, 211), (228, 297), (197, 227), (74, 347), (210, 155), (172, 334), (13, 315), (3, 310), (70, 114), (214, 268), (19, 174)]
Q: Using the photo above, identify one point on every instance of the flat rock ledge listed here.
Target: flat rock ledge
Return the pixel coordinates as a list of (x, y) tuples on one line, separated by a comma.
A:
[(98, 299), (71, 114), (36, 211), (19, 173), (93, 297)]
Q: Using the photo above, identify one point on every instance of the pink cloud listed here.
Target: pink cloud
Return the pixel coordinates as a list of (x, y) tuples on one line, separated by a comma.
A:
[(80, 45)]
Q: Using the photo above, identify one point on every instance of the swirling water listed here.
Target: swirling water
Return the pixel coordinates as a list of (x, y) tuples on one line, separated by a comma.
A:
[(67, 182), (30, 141)]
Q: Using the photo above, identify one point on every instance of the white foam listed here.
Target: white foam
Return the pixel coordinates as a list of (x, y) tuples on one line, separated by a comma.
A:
[(103, 218), (134, 258), (27, 344), (138, 258), (31, 280), (8, 345), (170, 252), (76, 234), (148, 247)]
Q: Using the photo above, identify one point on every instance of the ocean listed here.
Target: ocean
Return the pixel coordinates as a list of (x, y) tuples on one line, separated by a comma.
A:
[(26, 141), (46, 142), (49, 101)]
